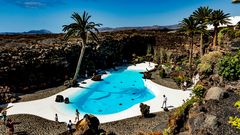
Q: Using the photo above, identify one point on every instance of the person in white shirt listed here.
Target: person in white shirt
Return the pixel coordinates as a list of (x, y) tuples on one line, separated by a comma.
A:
[(164, 102)]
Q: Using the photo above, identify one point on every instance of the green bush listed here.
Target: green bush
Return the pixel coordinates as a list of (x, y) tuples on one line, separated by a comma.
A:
[(178, 80), (237, 34), (237, 104), (229, 66), (199, 90), (187, 105), (234, 121), (162, 73), (208, 60), (178, 68)]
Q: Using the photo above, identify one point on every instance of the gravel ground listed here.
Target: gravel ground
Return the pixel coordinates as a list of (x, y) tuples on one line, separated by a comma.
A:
[(34, 125), (41, 94), (167, 82), (223, 109), (135, 125)]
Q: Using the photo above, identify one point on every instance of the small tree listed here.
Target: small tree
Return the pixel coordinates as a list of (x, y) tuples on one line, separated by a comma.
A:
[(81, 28), (218, 17), (190, 27)]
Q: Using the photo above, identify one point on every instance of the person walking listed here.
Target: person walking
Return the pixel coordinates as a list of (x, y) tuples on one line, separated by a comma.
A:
[(164, 102), (56, 117), (77, 116), (69, 127)]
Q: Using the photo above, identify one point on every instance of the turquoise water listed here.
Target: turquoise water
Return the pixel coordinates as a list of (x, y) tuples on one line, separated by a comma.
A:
[(117, 92)]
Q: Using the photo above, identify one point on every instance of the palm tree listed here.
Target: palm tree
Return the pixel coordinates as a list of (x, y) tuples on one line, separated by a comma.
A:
[(190, 27), (202, 15), (218, 17), (81, 28)]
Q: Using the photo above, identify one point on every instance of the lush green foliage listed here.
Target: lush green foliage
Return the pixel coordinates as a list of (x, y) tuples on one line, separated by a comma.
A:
[(234, 121), (199, 90), (208, 60), (188, 104), (237, 34), (162, 73), (229, 66), (237, 104), (225, 32)]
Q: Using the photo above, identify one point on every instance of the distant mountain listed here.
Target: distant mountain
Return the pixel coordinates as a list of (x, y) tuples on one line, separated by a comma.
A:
[(42, 31), (38, 32), (154, 27)]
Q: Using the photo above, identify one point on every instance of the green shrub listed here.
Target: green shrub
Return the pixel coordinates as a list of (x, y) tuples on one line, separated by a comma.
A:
[(208, 60), (237, 34), (187, 105), (229, 66), (199, 90), (178, 79), (162, 73), (234, 121), (237, 104), (178, 68), (225, 33)]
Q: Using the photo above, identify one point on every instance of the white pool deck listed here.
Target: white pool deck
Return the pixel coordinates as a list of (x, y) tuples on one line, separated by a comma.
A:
[(47, 107)]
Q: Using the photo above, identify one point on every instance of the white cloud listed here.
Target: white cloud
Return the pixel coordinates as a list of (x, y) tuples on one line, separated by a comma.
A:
[(35, 3)]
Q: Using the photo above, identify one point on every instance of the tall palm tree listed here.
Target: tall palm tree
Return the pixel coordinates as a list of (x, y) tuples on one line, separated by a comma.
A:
[(218, 17), (202, 15), (190, 27), (81, 28)]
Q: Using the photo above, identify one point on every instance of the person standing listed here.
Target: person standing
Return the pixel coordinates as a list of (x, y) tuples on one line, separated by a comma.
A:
[(164, 102), (69, 127), (4, 115), (185, 85), (56, 117), (77, 116), (10, 127)]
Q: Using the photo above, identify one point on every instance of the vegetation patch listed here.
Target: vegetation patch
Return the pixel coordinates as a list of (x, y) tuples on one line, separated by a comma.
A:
[(177, 120), (229, 66), (199, 90), (208, 60)]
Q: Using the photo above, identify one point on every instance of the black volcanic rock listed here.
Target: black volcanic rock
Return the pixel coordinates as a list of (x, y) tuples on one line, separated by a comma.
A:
[(235, 1), (154, 27)]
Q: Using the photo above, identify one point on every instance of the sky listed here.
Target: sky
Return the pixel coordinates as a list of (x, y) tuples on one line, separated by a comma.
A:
[(25, 15)]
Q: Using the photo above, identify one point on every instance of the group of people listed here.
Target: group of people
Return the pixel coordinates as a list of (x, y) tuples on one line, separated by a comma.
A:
[(69, 125)]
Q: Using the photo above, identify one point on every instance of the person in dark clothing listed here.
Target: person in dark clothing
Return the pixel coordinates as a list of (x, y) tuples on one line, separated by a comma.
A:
[(10, 127)]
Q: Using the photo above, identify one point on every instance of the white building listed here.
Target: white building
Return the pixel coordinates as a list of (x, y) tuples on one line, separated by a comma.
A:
[(233, 21)]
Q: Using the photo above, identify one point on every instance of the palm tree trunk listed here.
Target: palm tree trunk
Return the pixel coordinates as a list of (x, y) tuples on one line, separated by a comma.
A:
[(79, 62), (201, 45), (191, 53), (215, 37)]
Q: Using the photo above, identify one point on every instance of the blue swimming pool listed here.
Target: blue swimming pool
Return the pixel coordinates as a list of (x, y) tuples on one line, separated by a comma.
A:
[(117, 92)]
